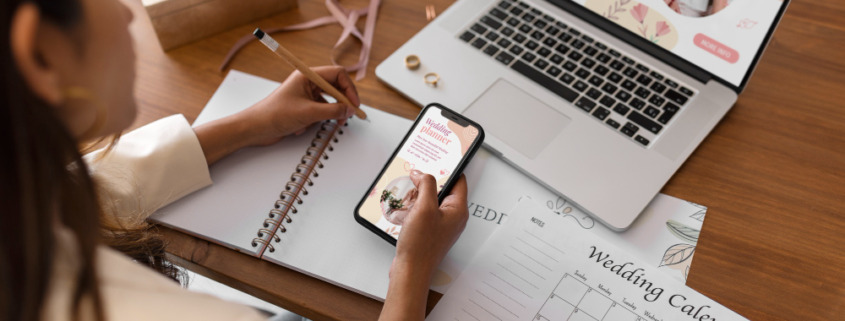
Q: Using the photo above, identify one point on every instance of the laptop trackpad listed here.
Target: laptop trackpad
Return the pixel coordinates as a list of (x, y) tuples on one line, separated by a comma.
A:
[(516, 118)]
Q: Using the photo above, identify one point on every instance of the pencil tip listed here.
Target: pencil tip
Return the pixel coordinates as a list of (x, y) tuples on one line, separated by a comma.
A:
[(258, 33)]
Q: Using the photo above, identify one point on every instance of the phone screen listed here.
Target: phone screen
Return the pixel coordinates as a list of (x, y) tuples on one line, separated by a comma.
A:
[(436, 145)]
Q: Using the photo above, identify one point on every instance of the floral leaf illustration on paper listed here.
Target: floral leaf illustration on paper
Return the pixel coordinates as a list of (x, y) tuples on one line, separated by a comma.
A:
[(698, 215), (682, 231), (677, 254), (559, 207), (615, 8)]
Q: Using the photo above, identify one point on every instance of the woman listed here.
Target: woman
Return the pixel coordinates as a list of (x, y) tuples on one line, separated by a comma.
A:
[(67, 79)]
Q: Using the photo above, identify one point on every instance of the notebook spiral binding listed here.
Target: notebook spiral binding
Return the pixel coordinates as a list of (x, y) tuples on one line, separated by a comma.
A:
[(280, 214)]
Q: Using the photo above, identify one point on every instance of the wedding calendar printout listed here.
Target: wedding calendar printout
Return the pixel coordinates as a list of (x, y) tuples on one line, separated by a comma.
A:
[(539, 267)]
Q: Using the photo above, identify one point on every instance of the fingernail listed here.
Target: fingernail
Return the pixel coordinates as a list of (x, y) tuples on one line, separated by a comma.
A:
[(350, 111), (416, 172)]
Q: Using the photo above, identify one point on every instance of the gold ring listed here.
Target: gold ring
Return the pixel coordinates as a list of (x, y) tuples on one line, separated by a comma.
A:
[(431, 78), (412, 62)]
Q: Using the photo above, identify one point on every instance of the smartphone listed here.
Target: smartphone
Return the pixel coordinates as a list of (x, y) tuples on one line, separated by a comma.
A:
[(441, 142)]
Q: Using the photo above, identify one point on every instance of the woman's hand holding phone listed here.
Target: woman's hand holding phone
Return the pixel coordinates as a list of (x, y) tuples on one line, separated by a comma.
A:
[(429, 232)]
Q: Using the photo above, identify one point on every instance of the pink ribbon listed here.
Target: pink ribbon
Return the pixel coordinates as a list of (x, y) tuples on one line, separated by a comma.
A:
[(346, 18)]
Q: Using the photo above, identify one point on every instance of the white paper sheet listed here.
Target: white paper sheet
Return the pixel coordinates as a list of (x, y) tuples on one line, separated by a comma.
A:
[(539, 267)]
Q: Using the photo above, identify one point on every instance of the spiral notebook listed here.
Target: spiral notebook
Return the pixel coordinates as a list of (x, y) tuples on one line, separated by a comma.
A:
[(292, 203)]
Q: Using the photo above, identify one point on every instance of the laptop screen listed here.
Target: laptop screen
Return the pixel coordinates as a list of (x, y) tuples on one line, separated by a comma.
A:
[(720, 36)]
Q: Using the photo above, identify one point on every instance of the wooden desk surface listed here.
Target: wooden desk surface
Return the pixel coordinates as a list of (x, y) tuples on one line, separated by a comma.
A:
[(772, 172)]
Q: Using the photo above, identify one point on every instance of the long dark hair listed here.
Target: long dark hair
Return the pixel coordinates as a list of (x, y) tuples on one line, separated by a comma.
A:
[(45, 182)]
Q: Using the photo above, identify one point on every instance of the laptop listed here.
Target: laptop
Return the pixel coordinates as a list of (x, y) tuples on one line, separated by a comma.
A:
[(599, 100)]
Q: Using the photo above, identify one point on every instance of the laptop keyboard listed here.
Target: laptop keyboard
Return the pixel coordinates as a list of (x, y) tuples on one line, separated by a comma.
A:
[(626, 95)]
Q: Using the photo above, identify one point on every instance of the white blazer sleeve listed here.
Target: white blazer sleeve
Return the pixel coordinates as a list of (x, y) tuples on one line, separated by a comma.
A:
[(149, 168)]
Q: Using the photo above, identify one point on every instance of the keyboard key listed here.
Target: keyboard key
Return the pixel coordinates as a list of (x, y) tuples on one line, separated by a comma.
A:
[(588, 63), (528, 57), (504, 42), (554, 71), (601, 70), (528, 17), (630, 72), (621, 109), (570, 66), (601, 113), (612, 123), (629, 85), (479, 29), (657, 100), (686, 91), (614, 53), (578, 44), (565, 37), (525, 29), (561, 48), (623, 96), (513, 21), (519, 38), (642, 92), (549, 83), (467, 36), (574, 55), (590, 51), (507, 31), (548, 18), (561, 25), (641, 140), (609, 88), (492, 36), (580, 86), (574, 32), (504, 4), (628, 60), (553, 31), (583, 73), (651, 111), (516, 50), (645, 122), (544, 52), (607, 101), (670, 107), (504, 58), (478, 43), (603, 58), (656, 75), (644, 79), (537, 34), (593, 93), (531, 45), (600, 45), (536, 12), (658, 87), (666, 117), (498, 14), (522, 5), (556, 59), (540, 24), (614, 77), (587, 39), (491, 50), (541, 64), (551, 42), (671, 83), (642, 68), (567, 78), (586, 104), (490, 22), (676, 97), (617, 65), (629, 128), (637, 104), (516, 11)]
